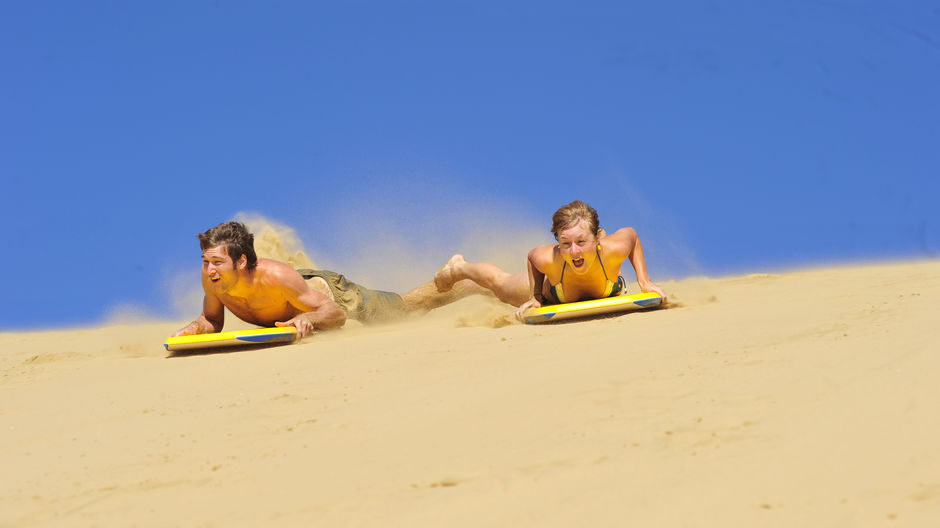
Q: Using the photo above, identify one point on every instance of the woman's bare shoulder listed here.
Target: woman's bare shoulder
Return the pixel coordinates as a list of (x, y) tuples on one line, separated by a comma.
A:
[(620, 241), (545, 258), (542, 253)]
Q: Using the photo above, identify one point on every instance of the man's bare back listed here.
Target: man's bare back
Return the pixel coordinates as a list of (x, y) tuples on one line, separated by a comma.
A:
[(271, 294), (266, 298)]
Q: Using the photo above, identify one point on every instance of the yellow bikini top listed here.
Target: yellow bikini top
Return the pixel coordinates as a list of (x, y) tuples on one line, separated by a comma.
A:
[(612, 288)]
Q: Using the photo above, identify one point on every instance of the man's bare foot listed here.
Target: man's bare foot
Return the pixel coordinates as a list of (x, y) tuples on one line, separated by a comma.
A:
[(445, 278)]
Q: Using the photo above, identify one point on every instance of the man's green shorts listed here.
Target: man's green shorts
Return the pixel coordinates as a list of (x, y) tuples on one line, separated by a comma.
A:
[(360, 303)]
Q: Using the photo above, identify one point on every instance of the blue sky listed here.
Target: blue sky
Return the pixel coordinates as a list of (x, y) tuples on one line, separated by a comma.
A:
[(736, 136)]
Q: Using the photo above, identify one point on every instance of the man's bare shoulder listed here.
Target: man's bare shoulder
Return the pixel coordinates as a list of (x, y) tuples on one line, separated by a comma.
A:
[(276, 276), (276, 273)]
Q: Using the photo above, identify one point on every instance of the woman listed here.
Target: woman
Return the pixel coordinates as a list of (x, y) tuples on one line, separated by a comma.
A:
[(583, 265)]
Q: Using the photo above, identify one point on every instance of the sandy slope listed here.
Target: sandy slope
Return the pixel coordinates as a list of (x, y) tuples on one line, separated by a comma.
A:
[(803, 399)]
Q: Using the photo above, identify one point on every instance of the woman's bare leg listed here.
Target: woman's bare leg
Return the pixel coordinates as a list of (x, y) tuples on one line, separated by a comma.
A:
[(510, 288), (427, 297)]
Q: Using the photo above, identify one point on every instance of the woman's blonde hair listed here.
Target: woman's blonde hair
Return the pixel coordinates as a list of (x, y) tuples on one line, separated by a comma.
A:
[(570, 213)]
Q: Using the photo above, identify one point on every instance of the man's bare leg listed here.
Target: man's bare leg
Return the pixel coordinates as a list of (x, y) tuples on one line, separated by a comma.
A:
[(510, 288)]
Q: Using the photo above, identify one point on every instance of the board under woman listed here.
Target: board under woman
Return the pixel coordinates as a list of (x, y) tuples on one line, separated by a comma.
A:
[(583, 265)]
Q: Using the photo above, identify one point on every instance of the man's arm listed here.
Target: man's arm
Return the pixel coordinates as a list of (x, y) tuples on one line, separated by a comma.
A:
[(209, 321), (318, 312)]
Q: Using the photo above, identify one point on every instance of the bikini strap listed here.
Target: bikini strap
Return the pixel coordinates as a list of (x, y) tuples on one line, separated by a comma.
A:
[(599, 259)]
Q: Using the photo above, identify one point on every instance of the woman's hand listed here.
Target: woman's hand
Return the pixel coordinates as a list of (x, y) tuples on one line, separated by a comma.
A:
[(651, 287), (531, 303)]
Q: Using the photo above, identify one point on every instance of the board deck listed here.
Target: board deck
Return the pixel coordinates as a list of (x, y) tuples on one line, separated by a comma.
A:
[(234, 338), (607, 305)]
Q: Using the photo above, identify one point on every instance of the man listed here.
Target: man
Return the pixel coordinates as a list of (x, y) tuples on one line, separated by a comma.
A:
[(266, 292)]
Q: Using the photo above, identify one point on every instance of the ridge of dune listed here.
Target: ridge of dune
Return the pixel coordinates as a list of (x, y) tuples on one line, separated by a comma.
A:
[(797, 398)]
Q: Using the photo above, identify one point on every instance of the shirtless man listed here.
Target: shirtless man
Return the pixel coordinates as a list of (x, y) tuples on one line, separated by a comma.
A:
[(266, 292)]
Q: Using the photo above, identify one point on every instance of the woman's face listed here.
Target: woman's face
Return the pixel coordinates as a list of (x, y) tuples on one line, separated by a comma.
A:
[(576, 243)]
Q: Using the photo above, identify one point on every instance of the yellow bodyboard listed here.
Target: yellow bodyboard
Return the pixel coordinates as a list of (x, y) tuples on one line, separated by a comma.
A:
[(620, 303), (234, 338)]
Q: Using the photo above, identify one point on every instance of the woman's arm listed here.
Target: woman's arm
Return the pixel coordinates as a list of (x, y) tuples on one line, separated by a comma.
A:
[(536, 282), (632, 248)]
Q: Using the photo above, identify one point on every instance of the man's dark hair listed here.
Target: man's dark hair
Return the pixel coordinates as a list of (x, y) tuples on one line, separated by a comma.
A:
[(236, 239)]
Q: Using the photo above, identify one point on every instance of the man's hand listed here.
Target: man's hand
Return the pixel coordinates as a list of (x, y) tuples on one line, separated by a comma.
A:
[(301, 323), (190, 329), (531, 303)]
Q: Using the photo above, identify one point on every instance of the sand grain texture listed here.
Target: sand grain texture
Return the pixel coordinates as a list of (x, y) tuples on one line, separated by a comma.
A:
[(805, 398)]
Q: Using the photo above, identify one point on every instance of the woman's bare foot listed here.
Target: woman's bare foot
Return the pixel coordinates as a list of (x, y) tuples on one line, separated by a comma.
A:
[(445, 277)]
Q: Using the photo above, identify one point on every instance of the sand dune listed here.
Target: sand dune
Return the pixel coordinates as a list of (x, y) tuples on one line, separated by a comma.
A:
[(801, 399)]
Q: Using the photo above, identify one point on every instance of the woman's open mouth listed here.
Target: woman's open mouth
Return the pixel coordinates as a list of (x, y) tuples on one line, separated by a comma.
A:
[(577, 262)]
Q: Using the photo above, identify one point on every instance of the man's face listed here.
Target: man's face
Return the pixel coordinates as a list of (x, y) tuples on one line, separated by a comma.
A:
[(219, 268)]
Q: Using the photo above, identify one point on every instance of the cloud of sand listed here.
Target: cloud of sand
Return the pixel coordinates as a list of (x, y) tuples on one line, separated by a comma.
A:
[(129, 313), (382, 246), (394, 243), (395, 255), (275, 241), (383, 251), (377, 250), (402, 222), (185, 293)]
